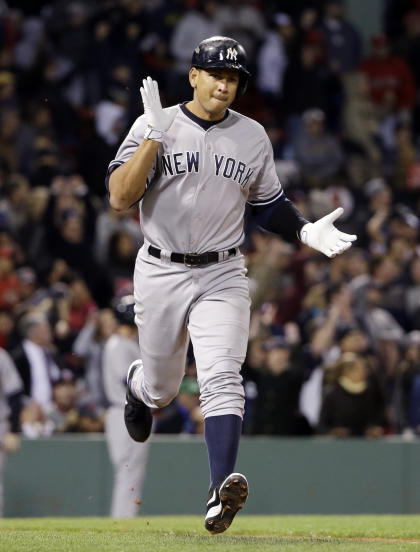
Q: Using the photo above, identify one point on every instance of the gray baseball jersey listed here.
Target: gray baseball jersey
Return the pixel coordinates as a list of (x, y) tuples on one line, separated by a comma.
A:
[(201, 181)]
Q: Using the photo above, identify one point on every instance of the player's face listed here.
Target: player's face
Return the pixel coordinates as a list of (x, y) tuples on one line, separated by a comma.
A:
[(214, 91)]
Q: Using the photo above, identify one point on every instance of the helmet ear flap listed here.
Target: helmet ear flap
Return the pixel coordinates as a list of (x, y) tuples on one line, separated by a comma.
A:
[(243, 84)]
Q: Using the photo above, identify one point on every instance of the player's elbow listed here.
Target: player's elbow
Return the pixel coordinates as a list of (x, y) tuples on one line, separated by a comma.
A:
[(117, 198), (117, 202)]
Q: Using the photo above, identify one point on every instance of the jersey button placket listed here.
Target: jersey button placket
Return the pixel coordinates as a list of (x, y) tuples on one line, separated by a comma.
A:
[(195, 216)]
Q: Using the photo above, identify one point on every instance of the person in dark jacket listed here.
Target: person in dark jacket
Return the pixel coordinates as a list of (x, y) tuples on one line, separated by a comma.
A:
[(278, 389), (353, 407)]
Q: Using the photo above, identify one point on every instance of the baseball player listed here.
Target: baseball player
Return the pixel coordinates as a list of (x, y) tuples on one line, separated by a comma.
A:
[(11, 394), (128, 458), (193, 167)]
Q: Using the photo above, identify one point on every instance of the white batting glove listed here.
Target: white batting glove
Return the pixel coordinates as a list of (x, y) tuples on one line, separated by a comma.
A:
[(323, 236), (158, 119)]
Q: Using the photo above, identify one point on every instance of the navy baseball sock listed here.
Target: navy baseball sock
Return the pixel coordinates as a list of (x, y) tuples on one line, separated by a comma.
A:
[(222, 434)]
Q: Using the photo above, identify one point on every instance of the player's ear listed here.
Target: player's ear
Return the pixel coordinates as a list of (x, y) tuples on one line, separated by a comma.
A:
[(193, 76)]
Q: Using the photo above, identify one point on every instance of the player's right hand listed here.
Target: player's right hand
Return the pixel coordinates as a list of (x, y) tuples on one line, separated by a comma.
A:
[(157, 118)]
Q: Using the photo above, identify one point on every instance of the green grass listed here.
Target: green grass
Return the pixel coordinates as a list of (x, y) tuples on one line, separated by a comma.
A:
[(186, 534)]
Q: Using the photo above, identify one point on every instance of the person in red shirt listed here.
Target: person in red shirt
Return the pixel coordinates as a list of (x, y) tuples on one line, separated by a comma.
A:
[(391, 80)]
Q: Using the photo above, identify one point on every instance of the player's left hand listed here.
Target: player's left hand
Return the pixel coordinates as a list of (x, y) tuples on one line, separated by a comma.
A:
[(323, 236)]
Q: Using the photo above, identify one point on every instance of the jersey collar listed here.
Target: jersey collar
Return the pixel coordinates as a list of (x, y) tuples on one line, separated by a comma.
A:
[(202, 122)]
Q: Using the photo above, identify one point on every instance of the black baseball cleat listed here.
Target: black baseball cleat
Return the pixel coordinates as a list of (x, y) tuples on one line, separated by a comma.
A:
[(137, 416), (225, 501)]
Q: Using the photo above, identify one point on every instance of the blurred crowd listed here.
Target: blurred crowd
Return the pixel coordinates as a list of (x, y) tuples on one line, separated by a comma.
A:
[(335, 344)]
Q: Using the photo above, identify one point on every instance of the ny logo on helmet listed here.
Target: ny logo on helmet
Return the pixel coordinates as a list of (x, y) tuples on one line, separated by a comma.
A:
[(231, 53)]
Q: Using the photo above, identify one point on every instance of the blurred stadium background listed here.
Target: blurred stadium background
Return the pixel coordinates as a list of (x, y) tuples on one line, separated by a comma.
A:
[(336, 85)]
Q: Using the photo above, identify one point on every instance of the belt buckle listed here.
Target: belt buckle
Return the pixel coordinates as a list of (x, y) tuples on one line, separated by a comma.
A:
[(191, 260)]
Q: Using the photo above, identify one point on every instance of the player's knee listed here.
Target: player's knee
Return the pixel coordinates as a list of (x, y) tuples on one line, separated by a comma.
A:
[(163, 401), (162, 396), (223, 396)]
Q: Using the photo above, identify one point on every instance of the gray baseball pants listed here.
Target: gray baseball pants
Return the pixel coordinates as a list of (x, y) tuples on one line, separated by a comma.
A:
[(129, 462), (2, 466), (209, 304)]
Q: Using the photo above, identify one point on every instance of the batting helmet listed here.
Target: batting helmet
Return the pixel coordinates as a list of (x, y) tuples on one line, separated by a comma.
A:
[(223, 52), (123, 308)]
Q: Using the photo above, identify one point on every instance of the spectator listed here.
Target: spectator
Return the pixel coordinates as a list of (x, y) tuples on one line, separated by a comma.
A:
[(268, 268), (89, 345), (80, 305), (8, 92), (133, 28), (111, 114), (344, 45), (6, 328), (14, 148), (28, 285), (191, 29), (278, 388), (9, 282), (183, 414), (357, 271), (30, 43), (407, 45), (68, 413), (32, 235), (389, 354), (391, 81), (70, 223), (380, 207), (14, 205), (189, 399), (308, 18), (121, 258), (410, 381), (412, 294), (273, 58), (110, 222), (360, 117), (306, 72), (243, 22), (34, 358), (403, 155), (378, 321), (317, 152), (415, 405), (352, 406), (387, 279), (255, 362), (99, 54)]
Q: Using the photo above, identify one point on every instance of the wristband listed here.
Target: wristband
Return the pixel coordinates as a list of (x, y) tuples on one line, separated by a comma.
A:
[(153, 134), (303, 233)]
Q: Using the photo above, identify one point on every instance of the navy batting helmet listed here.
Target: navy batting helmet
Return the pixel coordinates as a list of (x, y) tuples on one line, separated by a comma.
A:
[(222, 52), (123, 308)]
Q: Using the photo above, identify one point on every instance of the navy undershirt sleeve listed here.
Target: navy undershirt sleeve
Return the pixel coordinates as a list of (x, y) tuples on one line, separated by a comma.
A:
[(281, 217)]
